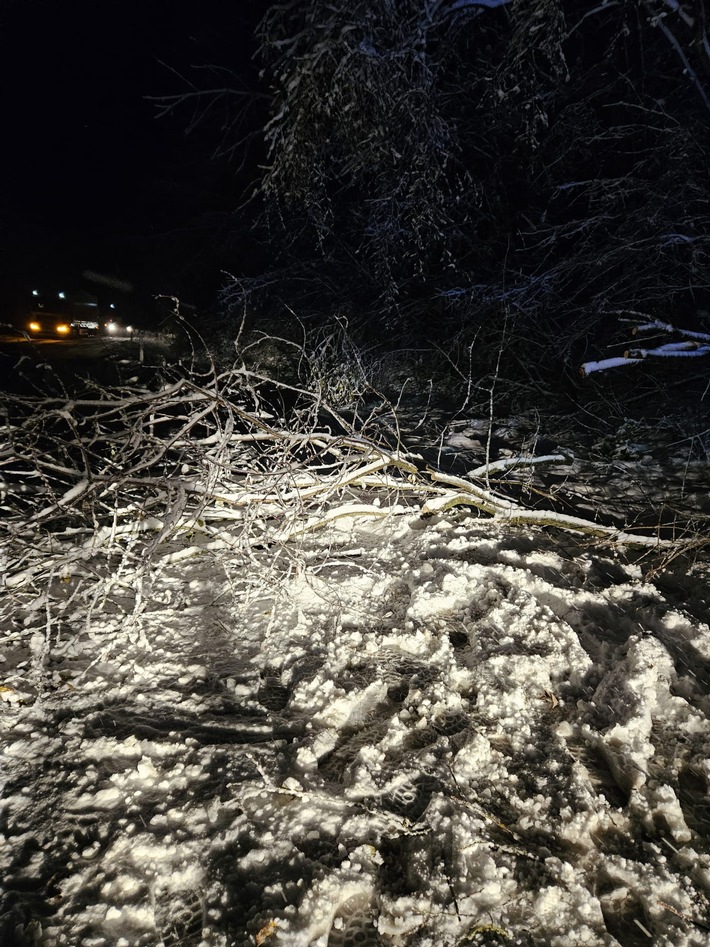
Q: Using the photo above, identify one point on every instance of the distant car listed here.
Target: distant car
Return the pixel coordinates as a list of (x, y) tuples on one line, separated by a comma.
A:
[(117, 329), (53, 326), (48, 326), (60, 314), (84, 327)]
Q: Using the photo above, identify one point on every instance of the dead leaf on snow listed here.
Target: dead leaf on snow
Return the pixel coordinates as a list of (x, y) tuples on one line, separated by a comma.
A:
[(266, 931)]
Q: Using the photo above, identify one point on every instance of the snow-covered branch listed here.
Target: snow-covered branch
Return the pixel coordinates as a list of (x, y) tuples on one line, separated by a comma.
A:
[(604, 364)]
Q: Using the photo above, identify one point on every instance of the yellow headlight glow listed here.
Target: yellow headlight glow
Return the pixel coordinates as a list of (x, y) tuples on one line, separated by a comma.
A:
[(34, 327), (62, 329)]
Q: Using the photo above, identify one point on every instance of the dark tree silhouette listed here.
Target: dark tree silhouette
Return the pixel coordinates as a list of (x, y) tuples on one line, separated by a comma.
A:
[(545, 156)]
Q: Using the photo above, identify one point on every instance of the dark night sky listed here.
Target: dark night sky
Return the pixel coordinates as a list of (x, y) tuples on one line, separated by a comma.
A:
[(92, 178)]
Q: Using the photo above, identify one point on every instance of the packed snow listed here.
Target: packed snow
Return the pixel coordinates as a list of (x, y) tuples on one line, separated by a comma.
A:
[(395, 730)]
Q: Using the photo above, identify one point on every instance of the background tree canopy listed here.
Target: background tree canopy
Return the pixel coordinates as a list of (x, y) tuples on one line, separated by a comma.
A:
[(545, 158)]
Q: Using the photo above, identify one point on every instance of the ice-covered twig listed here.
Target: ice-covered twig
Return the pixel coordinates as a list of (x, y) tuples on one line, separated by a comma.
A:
[(687, 68)]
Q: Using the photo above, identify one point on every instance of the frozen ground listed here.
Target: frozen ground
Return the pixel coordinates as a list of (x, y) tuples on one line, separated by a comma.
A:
[(394, 731)]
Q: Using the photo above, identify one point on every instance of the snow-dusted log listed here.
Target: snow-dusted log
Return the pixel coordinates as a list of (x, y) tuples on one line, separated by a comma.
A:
[(670, 350), (691, 344), (589, 368), (668, 327), (519, 462)]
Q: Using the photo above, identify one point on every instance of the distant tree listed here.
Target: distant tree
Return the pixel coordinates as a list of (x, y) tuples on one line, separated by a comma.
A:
[(548, 156), (361, 139)]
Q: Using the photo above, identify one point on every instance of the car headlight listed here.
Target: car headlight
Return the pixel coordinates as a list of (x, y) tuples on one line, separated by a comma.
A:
[(62, 328)]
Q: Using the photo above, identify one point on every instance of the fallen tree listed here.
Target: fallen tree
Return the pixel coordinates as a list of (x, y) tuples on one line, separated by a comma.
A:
[(103, 493), (131, 468)]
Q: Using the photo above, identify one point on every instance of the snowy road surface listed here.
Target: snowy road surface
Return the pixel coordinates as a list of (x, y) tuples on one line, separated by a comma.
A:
[(394, 732)]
